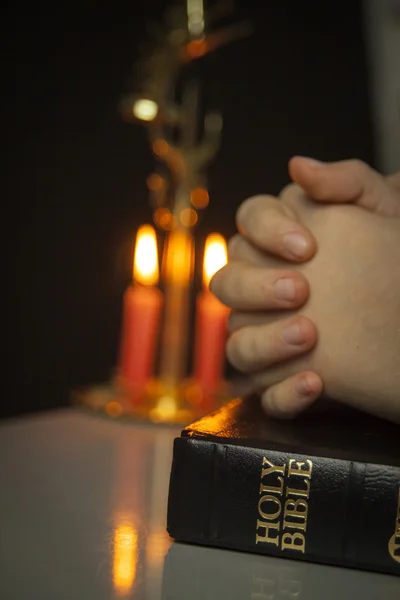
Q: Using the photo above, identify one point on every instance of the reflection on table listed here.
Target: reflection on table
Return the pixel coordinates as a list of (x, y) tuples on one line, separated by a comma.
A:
[(83, 511), (212, 574)]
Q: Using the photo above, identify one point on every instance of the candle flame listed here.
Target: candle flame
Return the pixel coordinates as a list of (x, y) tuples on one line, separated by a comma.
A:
[(215, 256), (145, 263), (125, 558)]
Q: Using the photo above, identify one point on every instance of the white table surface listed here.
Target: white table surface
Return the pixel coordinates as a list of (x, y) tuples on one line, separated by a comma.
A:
[(82, 509)]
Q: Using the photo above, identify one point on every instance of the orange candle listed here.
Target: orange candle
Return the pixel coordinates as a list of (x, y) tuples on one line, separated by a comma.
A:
[(211, 322), (142, 305)]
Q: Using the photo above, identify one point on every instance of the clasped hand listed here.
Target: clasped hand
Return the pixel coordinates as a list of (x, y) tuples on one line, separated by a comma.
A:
[(313, 280)]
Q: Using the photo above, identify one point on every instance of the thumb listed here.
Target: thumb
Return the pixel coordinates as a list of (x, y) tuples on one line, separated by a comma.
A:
[(345, 181)]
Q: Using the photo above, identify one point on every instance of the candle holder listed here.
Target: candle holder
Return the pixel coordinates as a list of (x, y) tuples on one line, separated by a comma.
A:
[(177, 194), (155, 403)]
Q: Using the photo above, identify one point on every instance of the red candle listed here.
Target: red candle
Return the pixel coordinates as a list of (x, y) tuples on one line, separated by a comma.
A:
[(142, 305), (211, 322)]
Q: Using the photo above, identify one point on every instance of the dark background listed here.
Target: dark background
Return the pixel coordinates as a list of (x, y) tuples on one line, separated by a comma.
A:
[(77, 172)]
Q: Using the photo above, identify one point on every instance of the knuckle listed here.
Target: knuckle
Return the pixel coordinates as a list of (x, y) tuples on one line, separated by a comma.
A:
[(280, 401), (371, 180), (271, 401), (250, 211), (233, 351), (243, 212), (292, 198), (238, 350), (358, 165), (218, 282), (289, 189), (242, 251), (228, 284), (234, 245)]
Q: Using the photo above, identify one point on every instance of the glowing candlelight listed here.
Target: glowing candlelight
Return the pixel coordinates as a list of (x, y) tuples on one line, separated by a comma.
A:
[(141, 313), (125, 558), (215, 257), (211, 321), (145, 262)]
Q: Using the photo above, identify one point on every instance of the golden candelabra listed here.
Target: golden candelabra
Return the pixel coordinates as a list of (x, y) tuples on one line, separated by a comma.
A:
[(176, 194)]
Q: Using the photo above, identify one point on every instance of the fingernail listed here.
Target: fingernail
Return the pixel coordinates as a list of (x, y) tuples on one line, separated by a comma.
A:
[(312, 162), (292, 335), (296, 244), (284, 289), (304, 386), (307, 385)]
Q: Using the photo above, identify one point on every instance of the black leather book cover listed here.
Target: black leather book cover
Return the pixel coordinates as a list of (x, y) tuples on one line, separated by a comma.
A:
[(323, 488)]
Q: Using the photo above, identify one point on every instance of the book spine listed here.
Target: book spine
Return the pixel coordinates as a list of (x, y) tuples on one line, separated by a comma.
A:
[(296, 506)]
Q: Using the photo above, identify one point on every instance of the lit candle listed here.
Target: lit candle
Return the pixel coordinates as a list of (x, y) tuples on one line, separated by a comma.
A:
[(142, 304), (211, 322)]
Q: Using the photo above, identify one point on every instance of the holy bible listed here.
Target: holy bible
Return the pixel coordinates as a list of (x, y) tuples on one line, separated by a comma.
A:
[(324, 488)]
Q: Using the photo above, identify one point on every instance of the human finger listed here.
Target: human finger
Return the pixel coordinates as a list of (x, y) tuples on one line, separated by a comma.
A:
[(351, 181), (254, 348), (292, 396), (239, 249), (244, 286), (274, 227)]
